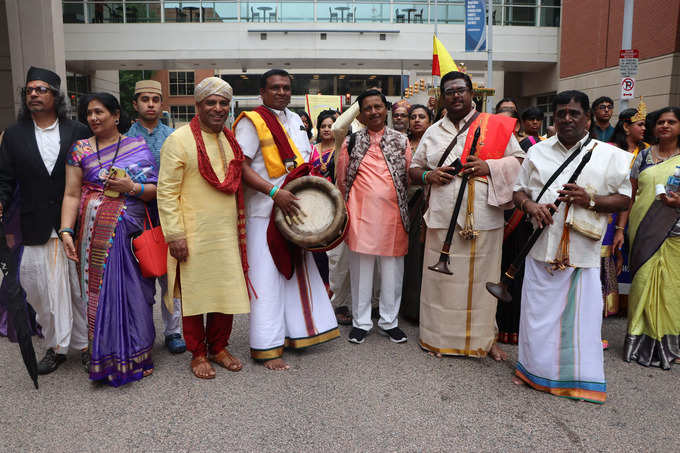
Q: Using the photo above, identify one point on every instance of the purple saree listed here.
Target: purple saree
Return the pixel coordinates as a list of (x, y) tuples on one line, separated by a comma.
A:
[(119, 300)]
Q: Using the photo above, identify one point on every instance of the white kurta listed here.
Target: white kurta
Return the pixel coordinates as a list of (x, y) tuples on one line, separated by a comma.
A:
[(278, 316)]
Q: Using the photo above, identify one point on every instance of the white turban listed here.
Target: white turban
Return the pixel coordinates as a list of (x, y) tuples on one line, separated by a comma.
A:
[(212, 85)]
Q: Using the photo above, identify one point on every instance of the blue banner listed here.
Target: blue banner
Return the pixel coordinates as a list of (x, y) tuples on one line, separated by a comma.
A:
[(475, 25)]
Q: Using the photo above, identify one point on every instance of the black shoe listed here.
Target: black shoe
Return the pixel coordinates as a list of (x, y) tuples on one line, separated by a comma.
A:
[(357, 335), (50, 362), (396, 334), (85, 360)]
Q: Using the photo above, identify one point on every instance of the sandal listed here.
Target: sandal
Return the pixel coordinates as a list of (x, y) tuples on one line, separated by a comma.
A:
[(225, 359), (147, 373), (343, 316), (199, 362)]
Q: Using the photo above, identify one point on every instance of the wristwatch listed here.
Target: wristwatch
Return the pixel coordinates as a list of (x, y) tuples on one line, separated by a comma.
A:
[(591, 203)]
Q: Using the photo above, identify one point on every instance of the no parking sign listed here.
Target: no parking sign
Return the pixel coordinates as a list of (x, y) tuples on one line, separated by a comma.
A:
[(627, 88)]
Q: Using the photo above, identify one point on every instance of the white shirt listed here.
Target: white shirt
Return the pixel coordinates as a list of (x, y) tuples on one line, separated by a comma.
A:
[(48, 140), (259, 204), (605, 174), (434, 142)]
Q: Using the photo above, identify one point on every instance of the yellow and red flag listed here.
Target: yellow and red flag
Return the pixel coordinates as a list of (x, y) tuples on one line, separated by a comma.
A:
[(442, 63)]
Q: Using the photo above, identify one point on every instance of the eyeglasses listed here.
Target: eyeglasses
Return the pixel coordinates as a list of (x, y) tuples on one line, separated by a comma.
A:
[(457, 91), (605, 107), (41, 90)]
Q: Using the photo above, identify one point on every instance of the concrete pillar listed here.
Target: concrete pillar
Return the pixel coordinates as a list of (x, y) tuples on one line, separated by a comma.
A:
[(7, 113), (36, 38), (105, 81)]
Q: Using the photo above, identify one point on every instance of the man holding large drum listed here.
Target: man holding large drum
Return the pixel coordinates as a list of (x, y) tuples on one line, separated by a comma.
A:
[(286, 310), (372, 173)]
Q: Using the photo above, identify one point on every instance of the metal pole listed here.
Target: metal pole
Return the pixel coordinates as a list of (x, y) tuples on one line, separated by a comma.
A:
[(627, 37), (436, 17), (489, 63)]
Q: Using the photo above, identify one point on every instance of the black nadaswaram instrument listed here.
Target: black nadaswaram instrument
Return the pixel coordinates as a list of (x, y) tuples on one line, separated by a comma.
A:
[(500, 290), (444, 257)]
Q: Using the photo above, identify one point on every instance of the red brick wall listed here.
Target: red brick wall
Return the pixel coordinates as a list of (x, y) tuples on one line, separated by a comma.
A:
[(591, 32), (163, 77)]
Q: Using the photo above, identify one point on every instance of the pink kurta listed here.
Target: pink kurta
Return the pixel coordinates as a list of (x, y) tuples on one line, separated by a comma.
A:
[(375, 226)]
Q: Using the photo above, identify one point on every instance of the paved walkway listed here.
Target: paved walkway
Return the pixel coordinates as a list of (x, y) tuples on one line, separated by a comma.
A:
[(377, 396)]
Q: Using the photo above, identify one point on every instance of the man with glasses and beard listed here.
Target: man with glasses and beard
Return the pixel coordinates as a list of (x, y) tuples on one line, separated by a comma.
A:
[(32, 159)]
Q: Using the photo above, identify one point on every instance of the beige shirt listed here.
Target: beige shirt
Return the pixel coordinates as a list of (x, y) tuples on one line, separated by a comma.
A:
[(488, 208), (605, 174)]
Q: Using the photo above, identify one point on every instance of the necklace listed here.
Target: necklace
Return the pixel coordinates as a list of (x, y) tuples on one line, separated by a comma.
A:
[(324, 163), (104, 175), (658, 158)]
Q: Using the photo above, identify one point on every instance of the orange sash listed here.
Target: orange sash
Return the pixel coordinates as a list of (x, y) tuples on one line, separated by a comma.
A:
[(495, 133)]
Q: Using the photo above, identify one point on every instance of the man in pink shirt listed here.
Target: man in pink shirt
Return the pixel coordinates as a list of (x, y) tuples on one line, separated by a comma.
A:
[(372, 173)]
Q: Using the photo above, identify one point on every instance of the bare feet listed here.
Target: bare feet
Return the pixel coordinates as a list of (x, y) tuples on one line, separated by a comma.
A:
[(276, 365), (148, 372), (202, 368), (497, 353), (517, 381), (225, 359), (434, 354)]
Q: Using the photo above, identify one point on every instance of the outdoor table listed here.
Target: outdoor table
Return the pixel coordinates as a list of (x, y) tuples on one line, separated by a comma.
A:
[(264, 10), (342, 10)]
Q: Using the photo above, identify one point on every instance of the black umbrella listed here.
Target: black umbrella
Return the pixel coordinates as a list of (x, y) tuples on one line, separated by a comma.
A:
[(16, 307)]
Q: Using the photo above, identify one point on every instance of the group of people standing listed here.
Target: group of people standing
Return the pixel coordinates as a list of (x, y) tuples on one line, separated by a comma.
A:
[(85, 191)]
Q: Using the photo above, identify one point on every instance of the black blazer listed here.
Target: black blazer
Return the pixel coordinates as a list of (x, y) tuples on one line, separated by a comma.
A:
[(41, 193)]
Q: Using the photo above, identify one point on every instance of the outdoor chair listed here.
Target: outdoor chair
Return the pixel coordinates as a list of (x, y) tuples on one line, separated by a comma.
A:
[(273, 16), (254, 15), (418, 17), (333, 15), (352, 16), (401, 18)]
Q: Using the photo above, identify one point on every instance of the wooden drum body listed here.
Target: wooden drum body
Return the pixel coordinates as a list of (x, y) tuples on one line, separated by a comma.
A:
[(324, 223)]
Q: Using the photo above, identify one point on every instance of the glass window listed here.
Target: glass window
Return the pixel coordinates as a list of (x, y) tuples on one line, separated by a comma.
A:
[(182, 11), (142, 12), (182, 113), (520, 15), (261, 11), (105, 12), (181, 83), (550, 17), (370, 12), (544, 102), (293, 11), (73, 12), (77, 85), (410, 12), (449, 13), (220, 11)]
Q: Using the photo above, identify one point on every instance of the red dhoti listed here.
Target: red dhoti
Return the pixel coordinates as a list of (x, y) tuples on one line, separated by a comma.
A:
[(213, 337)]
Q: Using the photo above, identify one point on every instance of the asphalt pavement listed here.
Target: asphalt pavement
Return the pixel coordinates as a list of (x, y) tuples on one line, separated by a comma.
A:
[(378, 396)]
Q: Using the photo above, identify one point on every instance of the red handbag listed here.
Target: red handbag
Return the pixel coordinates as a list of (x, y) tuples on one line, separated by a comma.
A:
[(151, 250)]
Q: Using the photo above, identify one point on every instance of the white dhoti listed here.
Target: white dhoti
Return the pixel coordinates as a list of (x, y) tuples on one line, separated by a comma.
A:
[(560, 343), (362, 269), (52, 288), (293, 313)]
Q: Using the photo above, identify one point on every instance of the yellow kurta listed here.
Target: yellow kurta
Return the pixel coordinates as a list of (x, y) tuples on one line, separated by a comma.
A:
[(211, 279)]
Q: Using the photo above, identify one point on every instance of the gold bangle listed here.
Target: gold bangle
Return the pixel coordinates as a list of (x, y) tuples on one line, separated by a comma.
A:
[(619, 227), (521, 205)]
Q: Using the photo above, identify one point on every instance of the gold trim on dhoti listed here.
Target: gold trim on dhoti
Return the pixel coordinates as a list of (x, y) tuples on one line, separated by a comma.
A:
[(300, 343), (266, 354), (451, 351)]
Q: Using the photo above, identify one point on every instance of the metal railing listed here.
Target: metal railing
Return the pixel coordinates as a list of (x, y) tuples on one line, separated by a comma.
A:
[(545, 13)]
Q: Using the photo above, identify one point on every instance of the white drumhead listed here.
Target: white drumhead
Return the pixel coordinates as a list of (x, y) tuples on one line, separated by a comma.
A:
[(319, 209)]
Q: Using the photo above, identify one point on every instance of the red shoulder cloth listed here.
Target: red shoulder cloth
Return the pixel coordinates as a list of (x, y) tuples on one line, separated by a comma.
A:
[(285, 253), (495, 134)]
